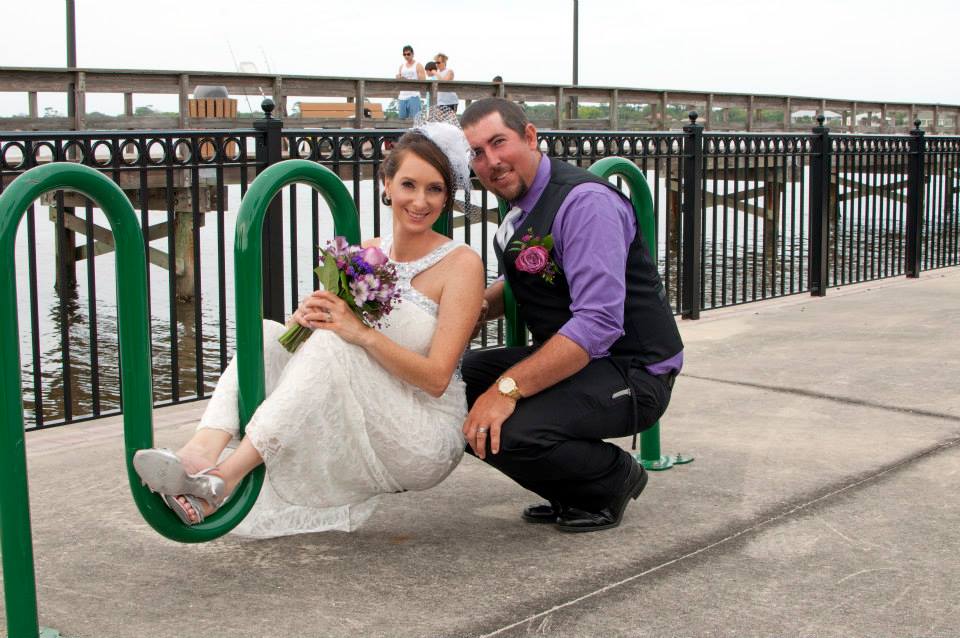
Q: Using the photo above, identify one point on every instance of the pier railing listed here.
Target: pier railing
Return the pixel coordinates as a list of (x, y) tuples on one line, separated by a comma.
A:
[(740, 217), (557, 106)]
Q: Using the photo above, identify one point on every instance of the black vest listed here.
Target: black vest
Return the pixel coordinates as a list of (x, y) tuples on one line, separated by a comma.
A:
[(651, 332)]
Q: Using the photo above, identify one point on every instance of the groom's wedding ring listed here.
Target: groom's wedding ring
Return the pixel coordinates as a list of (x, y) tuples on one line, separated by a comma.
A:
[(481, 430)]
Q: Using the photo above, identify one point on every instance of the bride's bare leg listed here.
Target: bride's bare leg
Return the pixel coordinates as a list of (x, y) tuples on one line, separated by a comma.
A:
[(203, 449), (244, 459)]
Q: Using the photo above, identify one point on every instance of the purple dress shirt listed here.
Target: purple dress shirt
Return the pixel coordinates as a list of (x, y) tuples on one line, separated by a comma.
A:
[(593, 262)]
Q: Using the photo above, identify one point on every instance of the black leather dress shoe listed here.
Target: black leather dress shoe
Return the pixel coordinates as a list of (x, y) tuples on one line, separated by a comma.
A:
[(573, 519), (543, 512)]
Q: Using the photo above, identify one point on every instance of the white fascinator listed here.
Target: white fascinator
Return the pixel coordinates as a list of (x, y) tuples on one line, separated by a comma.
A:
[(441, 127)]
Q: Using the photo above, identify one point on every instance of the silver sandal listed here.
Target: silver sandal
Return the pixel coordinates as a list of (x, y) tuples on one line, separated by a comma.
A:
[(181, 511), (162, 471)]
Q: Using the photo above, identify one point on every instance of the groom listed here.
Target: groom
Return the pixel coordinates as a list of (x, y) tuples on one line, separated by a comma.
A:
[(606, 347)]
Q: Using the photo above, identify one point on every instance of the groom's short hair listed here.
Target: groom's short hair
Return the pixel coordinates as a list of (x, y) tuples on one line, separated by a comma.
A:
[(514, 117)]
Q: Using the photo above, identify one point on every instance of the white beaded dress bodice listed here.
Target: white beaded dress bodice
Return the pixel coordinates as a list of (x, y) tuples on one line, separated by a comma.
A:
[(407, 270)]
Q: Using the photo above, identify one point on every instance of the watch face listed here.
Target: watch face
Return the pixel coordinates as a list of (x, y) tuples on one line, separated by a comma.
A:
[(507, 385)]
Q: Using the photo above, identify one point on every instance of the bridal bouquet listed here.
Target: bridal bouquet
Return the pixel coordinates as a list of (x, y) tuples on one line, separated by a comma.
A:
[(363, 277)]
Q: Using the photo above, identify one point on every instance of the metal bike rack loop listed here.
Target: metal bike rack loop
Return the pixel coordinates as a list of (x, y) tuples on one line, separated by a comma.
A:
[(16, 542)]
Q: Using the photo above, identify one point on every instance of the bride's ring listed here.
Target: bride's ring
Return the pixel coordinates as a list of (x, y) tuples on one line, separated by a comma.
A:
[(329, 316)]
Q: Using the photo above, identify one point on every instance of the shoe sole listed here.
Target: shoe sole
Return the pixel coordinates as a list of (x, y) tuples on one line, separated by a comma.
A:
[(634, 495), (162, 472), (536, 520)]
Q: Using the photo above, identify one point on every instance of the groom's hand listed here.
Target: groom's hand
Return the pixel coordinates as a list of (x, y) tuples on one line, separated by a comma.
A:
[(481, 319), (485, 419)]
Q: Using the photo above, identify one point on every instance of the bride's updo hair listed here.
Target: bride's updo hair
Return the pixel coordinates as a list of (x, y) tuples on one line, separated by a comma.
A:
[(420, 145)]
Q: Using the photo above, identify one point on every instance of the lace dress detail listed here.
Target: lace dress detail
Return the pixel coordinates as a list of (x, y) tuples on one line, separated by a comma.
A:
[(336, 429)]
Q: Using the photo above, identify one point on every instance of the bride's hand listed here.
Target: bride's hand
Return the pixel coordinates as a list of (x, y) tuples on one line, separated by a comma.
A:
[(303, 311), (330, 312)]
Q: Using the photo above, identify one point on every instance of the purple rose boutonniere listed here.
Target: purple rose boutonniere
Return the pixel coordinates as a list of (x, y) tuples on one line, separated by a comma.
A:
[(533, 255)]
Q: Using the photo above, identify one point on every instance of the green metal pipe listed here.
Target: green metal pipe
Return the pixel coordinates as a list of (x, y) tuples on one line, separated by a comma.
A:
[(640, 195), (248, 255), (642, 201), (516, 327), (16, 544), (15, 534)]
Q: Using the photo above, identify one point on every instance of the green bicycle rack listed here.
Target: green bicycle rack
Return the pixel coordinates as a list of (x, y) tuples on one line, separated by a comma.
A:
[(16, 544), (642, 201)]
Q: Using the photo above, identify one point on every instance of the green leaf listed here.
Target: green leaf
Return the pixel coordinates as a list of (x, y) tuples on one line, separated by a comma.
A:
[(547, 242), (328, 274), (345, 293)]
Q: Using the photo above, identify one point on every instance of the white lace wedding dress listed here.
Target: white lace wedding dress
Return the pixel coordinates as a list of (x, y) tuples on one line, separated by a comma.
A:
[(336, 429)]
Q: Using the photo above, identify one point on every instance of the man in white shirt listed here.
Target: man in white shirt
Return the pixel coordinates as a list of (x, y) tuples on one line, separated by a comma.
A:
[(409, 101)]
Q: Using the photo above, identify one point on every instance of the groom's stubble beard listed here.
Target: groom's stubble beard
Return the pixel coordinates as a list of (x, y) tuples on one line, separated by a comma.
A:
[(521, 190)]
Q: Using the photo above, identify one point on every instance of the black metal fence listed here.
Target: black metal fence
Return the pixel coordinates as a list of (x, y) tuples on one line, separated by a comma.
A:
[(740, 217)]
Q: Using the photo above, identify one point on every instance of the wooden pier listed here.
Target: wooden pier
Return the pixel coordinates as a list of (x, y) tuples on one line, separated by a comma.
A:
[(637, 108)]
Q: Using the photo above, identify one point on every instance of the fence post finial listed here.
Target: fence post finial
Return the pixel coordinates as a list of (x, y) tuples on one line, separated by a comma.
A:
[(267, 106)]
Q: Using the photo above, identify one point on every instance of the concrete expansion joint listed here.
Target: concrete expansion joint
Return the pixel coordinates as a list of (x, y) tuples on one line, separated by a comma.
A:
[(723, 539), (828, 397)]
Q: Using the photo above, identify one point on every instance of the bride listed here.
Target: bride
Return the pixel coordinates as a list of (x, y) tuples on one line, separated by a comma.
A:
[(355, 411)]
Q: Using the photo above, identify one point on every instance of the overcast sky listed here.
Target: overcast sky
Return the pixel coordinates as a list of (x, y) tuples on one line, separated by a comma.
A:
[(854, 49)]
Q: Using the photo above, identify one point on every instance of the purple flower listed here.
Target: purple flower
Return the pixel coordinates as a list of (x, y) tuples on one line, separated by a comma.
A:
[(374, 256), (360, 266), (339, 245), (532, 259), (363, 289)]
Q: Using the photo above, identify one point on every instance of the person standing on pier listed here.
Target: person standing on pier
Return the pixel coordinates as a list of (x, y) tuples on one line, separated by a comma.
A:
[(409, 101), (603, 361), (431, 69), (446, 100)]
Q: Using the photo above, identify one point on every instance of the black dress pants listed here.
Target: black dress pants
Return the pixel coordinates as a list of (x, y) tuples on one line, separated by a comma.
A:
[(553, 443)]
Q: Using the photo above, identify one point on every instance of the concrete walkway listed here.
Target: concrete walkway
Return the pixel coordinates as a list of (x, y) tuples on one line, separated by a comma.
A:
[(822, 502)]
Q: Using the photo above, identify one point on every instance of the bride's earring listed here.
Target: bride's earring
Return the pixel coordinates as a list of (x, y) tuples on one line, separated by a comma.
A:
[(385, 198)]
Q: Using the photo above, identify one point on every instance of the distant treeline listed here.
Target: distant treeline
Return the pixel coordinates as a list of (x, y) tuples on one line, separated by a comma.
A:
[(626, 112)]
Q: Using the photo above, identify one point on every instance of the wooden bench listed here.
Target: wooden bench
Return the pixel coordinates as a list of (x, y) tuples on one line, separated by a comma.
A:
[(340, 110), (213, 107), (207, 108)]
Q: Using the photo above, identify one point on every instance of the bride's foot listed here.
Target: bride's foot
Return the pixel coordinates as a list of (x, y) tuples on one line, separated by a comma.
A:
[(195, 461), (191, 509), (164, 472)]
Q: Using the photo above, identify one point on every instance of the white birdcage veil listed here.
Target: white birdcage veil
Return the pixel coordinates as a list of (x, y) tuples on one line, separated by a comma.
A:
[(441, 127)]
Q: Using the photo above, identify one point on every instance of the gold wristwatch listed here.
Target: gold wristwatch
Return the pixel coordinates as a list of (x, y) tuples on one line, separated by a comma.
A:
[(508, 388)]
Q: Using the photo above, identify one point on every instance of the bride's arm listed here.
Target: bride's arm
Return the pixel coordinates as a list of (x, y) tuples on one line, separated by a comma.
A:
[(459, 307)]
